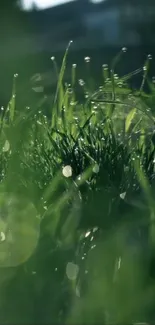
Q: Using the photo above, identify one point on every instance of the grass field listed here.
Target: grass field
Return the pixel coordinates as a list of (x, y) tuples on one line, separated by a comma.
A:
[(77, 202)]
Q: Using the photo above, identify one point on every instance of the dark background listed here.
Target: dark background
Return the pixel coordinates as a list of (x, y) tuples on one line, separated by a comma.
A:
[(29, 39)]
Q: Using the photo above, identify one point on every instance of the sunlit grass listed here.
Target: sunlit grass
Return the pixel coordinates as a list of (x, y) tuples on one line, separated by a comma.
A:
[(77, 194)]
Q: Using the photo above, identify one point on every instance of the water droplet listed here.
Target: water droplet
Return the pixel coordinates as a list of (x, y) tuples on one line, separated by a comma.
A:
[(96, 169), (123, 195), (74, 65), (2, 108), (39, 123), (119, 263), (72, 271), (2, 236), (69, 90), (87, 234), (52, 58), (16, 75), (6, 146), (71, 41), (87, 59), (149, 56), (124, 49), (126, 168), (34, 272), (81, 82), (38, 89), (77, 291), (145, 68), (67, 171), (95, 229), (105, 66)]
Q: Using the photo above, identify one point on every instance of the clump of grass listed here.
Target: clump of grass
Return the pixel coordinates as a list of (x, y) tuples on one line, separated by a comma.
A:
[(77, 208)]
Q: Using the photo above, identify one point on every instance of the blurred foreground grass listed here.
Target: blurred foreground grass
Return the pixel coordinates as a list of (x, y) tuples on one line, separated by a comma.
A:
[(77, 233)]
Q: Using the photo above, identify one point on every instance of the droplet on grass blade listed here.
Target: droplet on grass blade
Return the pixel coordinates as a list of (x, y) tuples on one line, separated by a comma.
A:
[(6, 146), (72, 271), (87, 234), (124, 49), (67, 171), (81, 82), (105, 66), (123, 195), (77, 291), (2, 236), (38, 89), (87, 59), (149, 56), (96, 169)]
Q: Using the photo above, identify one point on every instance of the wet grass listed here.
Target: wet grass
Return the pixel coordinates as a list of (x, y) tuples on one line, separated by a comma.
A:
[(77, 202)]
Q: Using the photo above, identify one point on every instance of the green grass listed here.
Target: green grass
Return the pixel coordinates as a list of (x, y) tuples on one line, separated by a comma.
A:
[(100, 219)]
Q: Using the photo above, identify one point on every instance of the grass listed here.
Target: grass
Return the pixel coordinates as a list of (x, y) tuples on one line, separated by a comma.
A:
[(77, 202)]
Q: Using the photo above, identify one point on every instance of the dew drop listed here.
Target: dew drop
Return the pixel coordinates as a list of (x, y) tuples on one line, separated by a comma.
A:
[(77, 291), (67, 171), (52, 58), (124, 49), (81, 82), (39, 123), (69, 90), (2, 236), (6, 146), (38, 89), (16, 75), (87, 59), (87, 234), (96, 169), (72, 271), (145, 68), (105, 66), (123, 195), (149, 56), (74, 65), (95, 229)]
